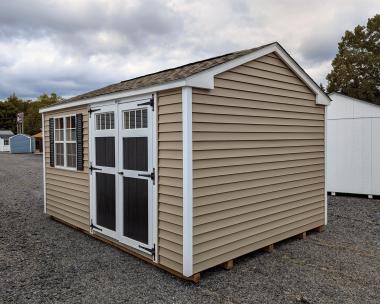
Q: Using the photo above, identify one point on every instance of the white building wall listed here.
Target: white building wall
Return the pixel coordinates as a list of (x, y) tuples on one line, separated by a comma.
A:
[(353, 146)]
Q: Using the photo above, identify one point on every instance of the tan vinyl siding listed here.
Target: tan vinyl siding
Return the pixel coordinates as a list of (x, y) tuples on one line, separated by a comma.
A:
[(170, 179), (67, 191), (258, 161)]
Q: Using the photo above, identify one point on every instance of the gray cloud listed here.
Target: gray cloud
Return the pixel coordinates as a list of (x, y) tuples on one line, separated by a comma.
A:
[(71, 46)]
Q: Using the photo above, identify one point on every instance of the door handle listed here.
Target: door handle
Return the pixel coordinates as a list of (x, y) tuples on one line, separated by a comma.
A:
[(121, 173), (151, 175)]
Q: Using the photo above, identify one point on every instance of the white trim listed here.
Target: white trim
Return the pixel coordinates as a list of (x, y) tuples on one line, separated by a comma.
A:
[(155, 165), (325, 188), (187, 181), (205, 79), (119, 95), (44, 159)]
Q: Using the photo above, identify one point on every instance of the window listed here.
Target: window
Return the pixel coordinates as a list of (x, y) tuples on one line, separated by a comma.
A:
[(136, 119), (65, 142), (105, 121), (6, 141)]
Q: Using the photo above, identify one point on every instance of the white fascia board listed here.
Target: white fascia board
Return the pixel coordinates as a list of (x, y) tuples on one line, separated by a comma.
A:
[(187, 159), (118, 95)]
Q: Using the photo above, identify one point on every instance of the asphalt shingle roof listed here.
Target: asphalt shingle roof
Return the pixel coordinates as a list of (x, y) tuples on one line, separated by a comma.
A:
[(165, 76)]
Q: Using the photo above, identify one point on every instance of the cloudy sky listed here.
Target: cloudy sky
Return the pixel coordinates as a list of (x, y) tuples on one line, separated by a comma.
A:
[(73, 46)]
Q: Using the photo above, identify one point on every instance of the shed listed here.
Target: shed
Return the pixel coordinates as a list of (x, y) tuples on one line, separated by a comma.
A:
[(21, 143), (4, 140), (38, 142), (353, 145), (191, 167)]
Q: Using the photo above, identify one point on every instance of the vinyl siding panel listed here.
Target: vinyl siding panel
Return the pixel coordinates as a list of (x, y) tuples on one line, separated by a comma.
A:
[(169, 118), (67, 191), (258, 161)]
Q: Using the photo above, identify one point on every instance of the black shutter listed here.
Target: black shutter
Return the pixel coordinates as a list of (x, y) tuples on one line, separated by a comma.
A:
[(51, 140), (79, 133)]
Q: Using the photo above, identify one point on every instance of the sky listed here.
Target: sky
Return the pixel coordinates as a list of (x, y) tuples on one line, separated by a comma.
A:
[(74, 46)]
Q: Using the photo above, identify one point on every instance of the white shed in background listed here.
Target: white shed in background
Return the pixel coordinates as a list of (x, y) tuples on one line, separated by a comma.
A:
[(353, 146)]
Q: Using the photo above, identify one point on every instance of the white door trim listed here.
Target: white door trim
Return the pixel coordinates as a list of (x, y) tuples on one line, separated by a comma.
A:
[(153, 230)]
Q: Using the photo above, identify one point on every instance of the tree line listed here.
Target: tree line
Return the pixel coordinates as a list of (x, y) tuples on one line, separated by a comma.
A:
[(32, 118)]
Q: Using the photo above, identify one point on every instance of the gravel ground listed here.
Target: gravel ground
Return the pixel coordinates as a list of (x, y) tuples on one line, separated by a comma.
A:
[(43, 261)]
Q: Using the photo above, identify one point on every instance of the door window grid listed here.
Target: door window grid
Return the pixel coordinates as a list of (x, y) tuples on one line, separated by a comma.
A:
[(105, 121), (65, 141), (136, 119)]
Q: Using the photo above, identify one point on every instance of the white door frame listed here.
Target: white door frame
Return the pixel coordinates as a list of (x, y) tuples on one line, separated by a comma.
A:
[(153, 211)]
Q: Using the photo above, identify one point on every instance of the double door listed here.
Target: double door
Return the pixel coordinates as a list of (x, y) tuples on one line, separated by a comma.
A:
[(122, 173)]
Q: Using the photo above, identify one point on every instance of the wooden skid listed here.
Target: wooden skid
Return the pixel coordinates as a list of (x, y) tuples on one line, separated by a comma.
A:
[(195, 278), (228, 265), (269, 248)]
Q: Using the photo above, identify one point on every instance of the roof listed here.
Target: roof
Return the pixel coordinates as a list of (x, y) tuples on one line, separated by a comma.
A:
[(354, 98), (6, 133), (199, 74), (165, 75), (38, 135)]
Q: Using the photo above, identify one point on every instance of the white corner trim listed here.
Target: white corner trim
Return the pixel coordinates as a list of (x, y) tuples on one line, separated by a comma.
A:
[(43, 160), (187, 158), (325, 188)]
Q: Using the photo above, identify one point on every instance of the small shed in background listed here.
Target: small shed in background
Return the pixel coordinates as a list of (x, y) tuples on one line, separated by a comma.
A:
[(353, 145), (4, 140), (38, 142), (22, 143)]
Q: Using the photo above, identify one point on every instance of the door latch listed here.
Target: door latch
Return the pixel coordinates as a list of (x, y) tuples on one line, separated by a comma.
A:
[(94, 169), (152, 175), (152, 251), (92, 226)]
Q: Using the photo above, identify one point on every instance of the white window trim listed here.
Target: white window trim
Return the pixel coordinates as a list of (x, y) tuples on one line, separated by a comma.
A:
[(64, 142)]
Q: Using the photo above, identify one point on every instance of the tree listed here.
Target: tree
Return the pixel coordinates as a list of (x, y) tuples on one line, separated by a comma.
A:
[(32, 118), (356, 67)]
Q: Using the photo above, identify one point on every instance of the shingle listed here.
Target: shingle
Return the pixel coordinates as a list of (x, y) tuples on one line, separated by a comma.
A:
[(164, 76)]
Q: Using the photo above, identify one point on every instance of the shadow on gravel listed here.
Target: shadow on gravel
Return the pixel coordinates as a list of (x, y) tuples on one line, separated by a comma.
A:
[(43, 261)]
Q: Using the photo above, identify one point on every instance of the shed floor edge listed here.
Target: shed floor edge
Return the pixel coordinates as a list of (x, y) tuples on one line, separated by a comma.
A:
[(194, 278)]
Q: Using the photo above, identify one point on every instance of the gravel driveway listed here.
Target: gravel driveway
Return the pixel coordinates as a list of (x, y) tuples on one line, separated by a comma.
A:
[(43, 261)]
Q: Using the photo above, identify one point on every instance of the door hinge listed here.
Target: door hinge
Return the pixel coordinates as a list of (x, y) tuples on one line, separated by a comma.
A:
[(152, 175), (92, 226), (92, 168), (90, 111), (152, 250), (148, 103)]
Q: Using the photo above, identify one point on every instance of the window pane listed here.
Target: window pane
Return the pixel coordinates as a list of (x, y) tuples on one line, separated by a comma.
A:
[(59, 135), (126, 120), (132, 119), (59, 123), (59, 154), (102, 121), (71, 155), (138, 119), (145, 118), (97, 121), (112, 118)]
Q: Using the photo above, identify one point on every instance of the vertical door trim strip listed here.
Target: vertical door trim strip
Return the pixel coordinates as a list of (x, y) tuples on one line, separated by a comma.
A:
[(187, 158)]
